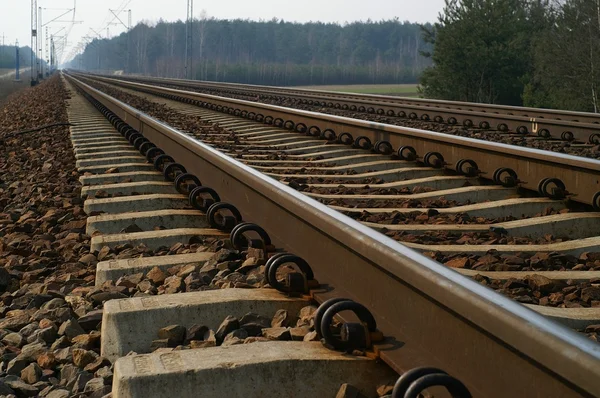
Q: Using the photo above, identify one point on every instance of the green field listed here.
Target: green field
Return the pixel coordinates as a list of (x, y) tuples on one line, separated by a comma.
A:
[(403, 90)]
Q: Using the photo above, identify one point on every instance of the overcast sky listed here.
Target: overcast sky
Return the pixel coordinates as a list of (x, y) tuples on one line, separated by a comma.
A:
[(15, 15)]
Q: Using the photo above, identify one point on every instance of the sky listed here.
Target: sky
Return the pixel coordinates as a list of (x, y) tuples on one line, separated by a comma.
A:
[(94, 18)]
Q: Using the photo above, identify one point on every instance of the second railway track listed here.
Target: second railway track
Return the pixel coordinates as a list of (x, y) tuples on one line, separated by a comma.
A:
[(534, 249), (577, 133)]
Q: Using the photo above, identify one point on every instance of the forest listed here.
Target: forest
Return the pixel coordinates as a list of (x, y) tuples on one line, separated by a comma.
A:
[(539, 53), (535, 53), (8, 55), (272, 52)]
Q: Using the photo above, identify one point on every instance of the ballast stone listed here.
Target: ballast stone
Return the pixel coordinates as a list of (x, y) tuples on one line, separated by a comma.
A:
[(132, 324)]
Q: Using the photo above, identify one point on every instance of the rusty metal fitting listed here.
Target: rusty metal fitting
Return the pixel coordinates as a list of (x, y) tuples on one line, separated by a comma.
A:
[(145, 147), (133, 136), (162, 161), (301, 128), (314, 131), (522, 130), (153, 153), (434, 159), (139, 141), (363, 142), (353, 336), (558, 191), (567, 136), (295, 282), (129, 133), (383, 147), (186, 182), (220, 221), (345, 138), (328, 134), (407, 153), (484, 125), (471, 169), (414, 382), (596, 201), (172, 170), (240, 241), (199, 201), (506, 177)]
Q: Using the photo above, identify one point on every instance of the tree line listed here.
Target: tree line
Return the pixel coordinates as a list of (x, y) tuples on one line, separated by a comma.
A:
[(540, 53), (272, 52), (8, 55), (517, 52)]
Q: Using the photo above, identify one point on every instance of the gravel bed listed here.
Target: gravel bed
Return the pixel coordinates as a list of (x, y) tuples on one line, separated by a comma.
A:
[(539, 290), (432, 216), (592, 332), (364, 190), (47, 323), (394, 203), (542, 261), (300, 183), (348, 172), (246, 329), (469, 238), (50, 310)]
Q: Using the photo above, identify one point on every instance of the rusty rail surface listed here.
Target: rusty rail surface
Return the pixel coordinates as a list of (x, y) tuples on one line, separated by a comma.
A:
[(547, 123), (531, 167), (430, 314)]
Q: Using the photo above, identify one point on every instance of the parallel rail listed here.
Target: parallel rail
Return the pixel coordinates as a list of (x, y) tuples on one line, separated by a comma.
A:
[(581, 176), (433, 315), (547, 123)]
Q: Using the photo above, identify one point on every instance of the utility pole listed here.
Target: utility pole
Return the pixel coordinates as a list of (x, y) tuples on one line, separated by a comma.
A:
[(52, 55), (40, 56), (128, 41), (34, 43), (47, 53), (17, 66), (54, 20), (189, 65)]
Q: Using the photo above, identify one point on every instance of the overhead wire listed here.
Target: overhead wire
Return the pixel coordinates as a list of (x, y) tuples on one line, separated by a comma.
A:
[(106, 22)]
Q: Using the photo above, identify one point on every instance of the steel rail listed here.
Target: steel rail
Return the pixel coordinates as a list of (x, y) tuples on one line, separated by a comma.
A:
[(432, 315), (581, 124), (580, 175)]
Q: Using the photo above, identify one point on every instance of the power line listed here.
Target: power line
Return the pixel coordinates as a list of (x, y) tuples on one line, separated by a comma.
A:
[(103, 27)]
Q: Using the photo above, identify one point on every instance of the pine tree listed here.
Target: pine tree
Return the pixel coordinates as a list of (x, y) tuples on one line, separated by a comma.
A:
[(481, 50)]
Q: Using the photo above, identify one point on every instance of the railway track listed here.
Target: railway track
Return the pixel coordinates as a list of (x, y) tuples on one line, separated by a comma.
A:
[(565, 131), (531, 248)]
